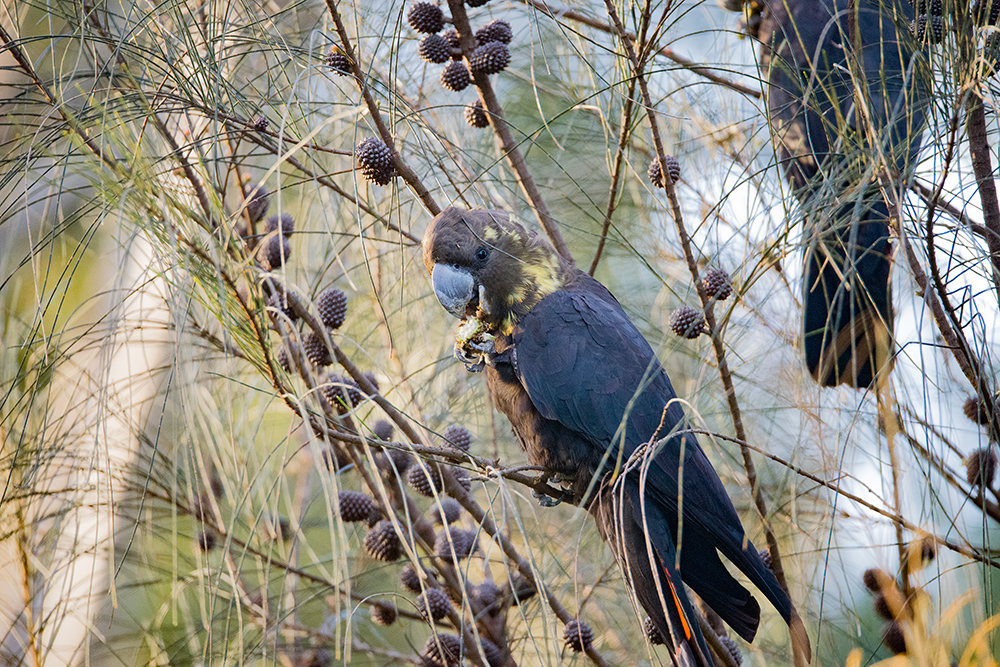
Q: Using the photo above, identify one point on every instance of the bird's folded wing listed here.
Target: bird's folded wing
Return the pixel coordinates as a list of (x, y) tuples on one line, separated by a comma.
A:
[(585, 365)]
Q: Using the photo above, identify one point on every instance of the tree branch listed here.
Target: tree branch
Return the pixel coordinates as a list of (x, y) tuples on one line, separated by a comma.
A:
[(508, 146)]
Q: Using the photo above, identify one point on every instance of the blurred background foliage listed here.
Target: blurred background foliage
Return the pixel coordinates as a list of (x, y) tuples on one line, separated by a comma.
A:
[(170, 495)]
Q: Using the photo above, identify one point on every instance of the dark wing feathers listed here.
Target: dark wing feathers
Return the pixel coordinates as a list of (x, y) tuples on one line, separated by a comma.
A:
[(719, 590), (585, 365), (847, 326), (585, 377), (588, 360)]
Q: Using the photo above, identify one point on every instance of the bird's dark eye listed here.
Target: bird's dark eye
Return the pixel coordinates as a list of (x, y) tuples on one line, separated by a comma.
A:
[(482, 254)]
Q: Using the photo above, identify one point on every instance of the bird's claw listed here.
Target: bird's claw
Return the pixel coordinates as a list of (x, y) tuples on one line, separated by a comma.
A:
[(474, 361), (475, 355), (546, 500), (486, 347)]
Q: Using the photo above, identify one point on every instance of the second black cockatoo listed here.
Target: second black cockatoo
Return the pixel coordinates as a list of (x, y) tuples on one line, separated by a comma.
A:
[(588, 401), (843, 132)]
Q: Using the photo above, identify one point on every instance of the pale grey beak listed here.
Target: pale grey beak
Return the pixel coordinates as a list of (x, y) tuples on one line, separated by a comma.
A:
[(454, 288)]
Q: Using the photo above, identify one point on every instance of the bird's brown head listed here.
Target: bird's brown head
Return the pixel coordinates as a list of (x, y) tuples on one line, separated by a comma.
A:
[(486, 265)]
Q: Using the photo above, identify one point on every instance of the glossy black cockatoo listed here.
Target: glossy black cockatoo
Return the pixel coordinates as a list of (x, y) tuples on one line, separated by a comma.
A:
[(844, 132), (588, 401)]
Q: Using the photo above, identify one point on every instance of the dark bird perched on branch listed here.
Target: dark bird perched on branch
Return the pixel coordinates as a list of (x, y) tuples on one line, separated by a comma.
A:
[(845, 129), (588, 401)]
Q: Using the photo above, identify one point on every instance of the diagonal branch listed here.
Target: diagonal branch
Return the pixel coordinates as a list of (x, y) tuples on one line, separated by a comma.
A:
[(623, 136), (407, 174), (508, 145)]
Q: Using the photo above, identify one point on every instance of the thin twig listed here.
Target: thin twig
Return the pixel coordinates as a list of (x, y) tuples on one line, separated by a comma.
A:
[(927, 196), (968, 551), (564, 12), (623, 135)]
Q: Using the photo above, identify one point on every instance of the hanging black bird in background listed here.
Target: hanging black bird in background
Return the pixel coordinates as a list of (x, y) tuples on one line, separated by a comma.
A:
[(833, 163), (588, 401)]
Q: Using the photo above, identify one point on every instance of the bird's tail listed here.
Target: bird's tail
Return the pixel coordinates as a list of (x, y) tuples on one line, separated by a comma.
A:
[(646, 553), (749, 561), (848, 307)]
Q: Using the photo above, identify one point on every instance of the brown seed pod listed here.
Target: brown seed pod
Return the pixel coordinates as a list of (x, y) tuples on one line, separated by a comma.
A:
[(410, 580), (283, 224), (355, 506), (475, 115), (454, 44), (433, 604), (494, 656), (687, 322), (495, 31), (375, 161), (316, 350), (332, 306), (383, 613), (577, 636), (341, 392), (338, 62), (425, 479), (459, 436), (656, 175), (279, 302), (455, 76), (445, 511), (258, 199), (974, 408), (382, 542), (275, 251), (434, 48), (444, 650), (490, 58), (981, 468), (462, 541), (488, 593), (717, 284), (425, 17)]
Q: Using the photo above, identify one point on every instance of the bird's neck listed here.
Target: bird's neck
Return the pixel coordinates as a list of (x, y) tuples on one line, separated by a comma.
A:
[(542, 272)]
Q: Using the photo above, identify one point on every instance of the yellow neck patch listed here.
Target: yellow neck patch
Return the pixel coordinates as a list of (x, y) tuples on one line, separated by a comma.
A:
[(541, 274)]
